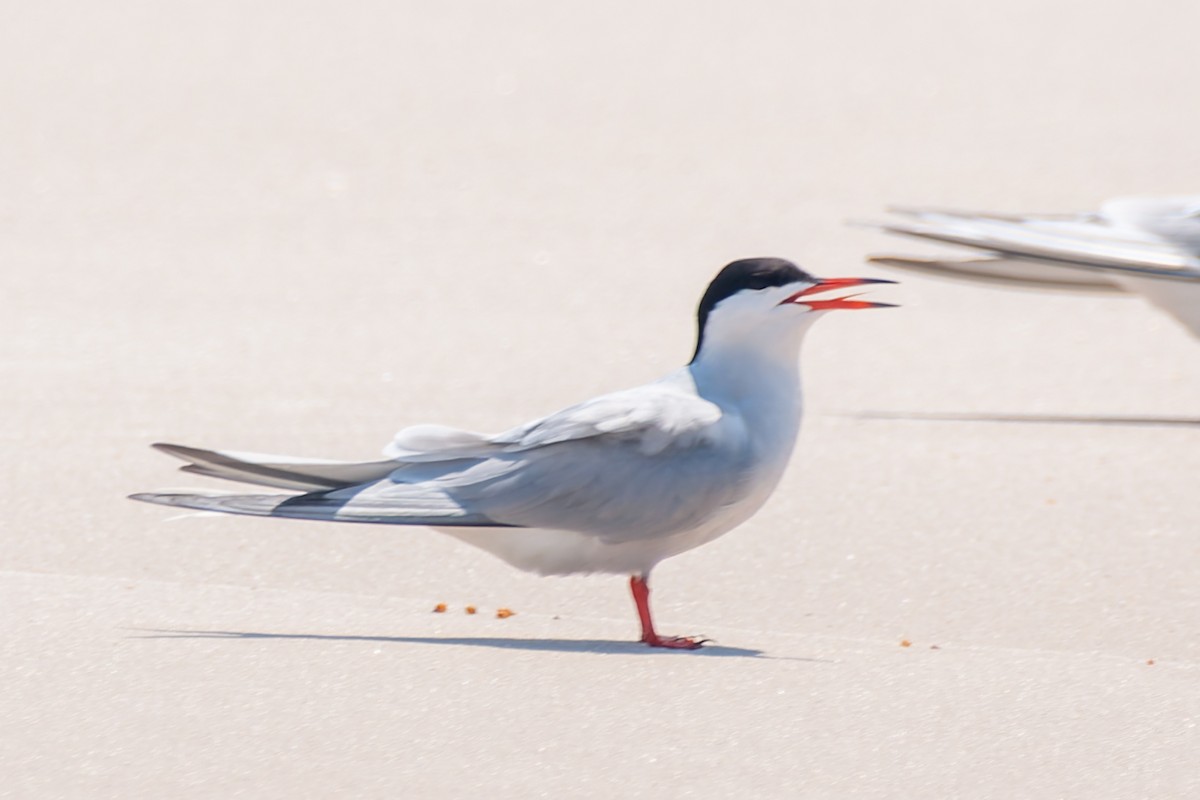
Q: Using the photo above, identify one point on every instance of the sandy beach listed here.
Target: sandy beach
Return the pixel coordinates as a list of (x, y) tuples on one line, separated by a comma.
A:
[(297, 229)]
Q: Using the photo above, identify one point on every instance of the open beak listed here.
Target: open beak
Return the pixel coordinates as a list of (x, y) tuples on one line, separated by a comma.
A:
[(826, 285)]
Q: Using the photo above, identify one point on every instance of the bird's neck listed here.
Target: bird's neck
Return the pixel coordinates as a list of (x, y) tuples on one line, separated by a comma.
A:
[(759, 382)]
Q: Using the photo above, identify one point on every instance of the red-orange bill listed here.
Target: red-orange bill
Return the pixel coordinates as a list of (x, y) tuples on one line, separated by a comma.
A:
[(828, 284)]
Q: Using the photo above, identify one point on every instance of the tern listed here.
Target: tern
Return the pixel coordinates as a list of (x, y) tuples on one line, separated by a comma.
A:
[(1147, 246), (614, 484)]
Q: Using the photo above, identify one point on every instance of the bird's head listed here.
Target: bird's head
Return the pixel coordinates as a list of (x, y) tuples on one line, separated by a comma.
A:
[(767, 304)]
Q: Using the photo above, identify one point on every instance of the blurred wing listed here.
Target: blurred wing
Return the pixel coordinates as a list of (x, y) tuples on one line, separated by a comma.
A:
[(1075, 241), (1007, 272), (1173, 220), (1123, 247)]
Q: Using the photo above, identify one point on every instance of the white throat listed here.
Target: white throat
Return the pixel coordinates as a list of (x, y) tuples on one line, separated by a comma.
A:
[(756, 377)]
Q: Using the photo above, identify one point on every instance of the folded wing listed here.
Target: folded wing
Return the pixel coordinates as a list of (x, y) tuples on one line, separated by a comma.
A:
[(626, 465)]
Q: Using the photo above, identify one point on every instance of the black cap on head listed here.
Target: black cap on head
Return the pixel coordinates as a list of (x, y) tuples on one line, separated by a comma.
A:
[(746, 273)]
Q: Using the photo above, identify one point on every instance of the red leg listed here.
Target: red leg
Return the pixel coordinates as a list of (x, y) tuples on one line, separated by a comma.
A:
[(641, 597)]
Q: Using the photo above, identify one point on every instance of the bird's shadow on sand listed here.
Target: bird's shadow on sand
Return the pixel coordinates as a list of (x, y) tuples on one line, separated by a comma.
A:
[(596, 646)]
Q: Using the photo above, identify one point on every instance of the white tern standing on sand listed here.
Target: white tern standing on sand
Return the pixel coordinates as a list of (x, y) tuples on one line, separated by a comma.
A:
[(1148, 246), (615, 484)]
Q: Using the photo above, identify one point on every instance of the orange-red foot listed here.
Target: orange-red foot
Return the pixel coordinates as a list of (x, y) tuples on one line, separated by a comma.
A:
[(674, 642)]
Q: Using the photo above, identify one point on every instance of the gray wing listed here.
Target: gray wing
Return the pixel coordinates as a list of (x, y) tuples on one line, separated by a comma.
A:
[(628, 465)]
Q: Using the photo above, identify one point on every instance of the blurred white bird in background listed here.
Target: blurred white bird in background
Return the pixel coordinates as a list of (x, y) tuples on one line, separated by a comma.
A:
[(1147, 246)]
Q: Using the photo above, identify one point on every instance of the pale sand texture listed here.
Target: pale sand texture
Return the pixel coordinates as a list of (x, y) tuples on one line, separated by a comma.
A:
[(299, 227)]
